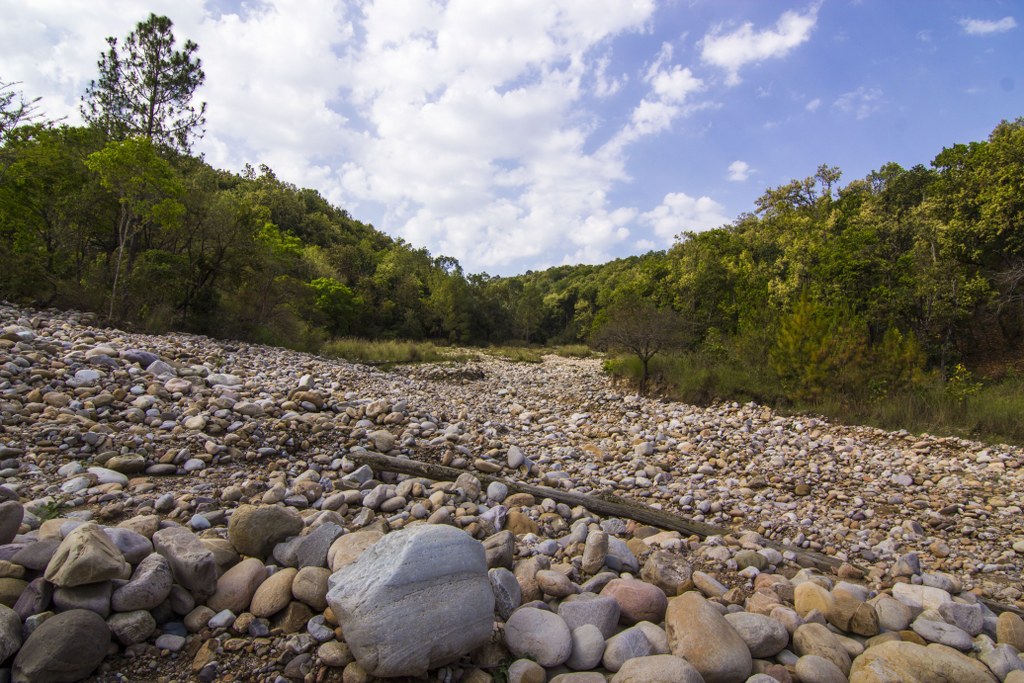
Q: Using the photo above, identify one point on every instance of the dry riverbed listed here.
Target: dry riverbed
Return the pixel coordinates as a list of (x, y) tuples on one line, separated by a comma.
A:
[(176, 438)]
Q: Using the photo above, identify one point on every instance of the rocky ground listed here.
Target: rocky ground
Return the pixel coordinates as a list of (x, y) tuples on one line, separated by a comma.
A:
[(180, 508)]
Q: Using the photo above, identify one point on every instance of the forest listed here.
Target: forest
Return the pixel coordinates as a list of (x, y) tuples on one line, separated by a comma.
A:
[(861, 290)]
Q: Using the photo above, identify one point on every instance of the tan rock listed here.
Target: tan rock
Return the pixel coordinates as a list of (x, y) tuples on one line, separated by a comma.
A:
[(236, 587), (902, 662), (815, 639), (810, 596), (86, 555), (310, 587), (346, 549), (698, 633), (274, 594), (1010, 630)]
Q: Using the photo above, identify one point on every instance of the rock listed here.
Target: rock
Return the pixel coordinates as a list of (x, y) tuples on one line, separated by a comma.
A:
[(698, 633), (765, 637), (815, 669), (86, 555), (192, 563), (132, 627), (33, 598), (10, 591), (66, 647), (346, 549), (893, 615), (254, 530), (149, 586), (816, 639), (588, 608), (853, 615), (94, 597), (638, 601), (310, 586), (11, 514), (526, 671), (624, 646), (312, 550), (133, 545), (418, 599), (540, 635), (274, 594), (587, 648), (903, 662), (555, 584), (1010, 630), (500, 549), (669, 572), (1001, 660), (920, 597), (292, 618), (657, 669), (10, 632), (810, 596), (969, 618), (595, 550), (507, 593), (941, 632), (237, 585)]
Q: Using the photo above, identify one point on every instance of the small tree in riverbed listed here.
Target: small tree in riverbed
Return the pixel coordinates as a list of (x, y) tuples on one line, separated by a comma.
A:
[(640, 328)]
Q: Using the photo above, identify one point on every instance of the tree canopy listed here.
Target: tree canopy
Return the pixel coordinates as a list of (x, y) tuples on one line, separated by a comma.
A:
[(145, 87)]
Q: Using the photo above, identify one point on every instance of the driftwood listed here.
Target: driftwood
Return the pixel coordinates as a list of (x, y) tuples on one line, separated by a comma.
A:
[(609, 505), (601, 503)]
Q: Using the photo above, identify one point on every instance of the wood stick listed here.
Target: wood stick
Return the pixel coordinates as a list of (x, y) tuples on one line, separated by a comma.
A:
[(609, 505), (606, 504)]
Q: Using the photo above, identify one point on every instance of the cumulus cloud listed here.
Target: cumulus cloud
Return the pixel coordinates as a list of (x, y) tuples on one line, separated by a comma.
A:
[(739, 171), (813, 104), (462, 126), (679, 212), (862, 102), (984, 27), (734, 50)]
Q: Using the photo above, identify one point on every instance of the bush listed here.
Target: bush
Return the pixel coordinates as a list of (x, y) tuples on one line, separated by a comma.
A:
[(367, 351)]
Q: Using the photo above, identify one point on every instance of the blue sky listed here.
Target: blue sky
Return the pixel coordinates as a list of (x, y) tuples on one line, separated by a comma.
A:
[(521, 134)]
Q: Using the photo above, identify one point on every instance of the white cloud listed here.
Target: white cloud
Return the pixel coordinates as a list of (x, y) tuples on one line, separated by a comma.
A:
[(739, 171), (862, 102), (983, 27), (461, 126), (813, 104), (733, 50), (679, 212)]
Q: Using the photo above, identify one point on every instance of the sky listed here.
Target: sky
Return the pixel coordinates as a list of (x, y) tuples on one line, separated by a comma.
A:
[(517, 135)]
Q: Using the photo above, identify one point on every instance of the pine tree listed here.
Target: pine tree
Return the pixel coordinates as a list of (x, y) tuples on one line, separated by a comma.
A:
[(146, 87)]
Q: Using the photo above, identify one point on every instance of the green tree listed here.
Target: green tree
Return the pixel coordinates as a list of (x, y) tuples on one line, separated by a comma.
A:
[(146, 190), (145, 88), (641, 329)]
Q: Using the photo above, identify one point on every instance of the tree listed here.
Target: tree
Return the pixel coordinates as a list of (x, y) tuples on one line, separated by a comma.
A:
[(146, 190), (146, 87), (640, 328)]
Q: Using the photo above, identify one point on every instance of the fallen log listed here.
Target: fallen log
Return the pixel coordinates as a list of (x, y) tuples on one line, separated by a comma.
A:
[(610, 505), (603, 503)]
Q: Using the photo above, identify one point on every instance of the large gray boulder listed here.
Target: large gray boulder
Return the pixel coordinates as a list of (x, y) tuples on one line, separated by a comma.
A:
[(192, 563), (416, 600), (66, 647)]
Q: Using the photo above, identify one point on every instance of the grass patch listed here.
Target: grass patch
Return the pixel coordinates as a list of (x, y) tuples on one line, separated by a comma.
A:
[(572, 351), (387, 352), (516, 354), (991, 411)]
